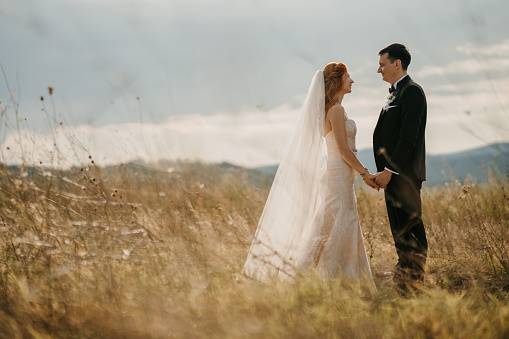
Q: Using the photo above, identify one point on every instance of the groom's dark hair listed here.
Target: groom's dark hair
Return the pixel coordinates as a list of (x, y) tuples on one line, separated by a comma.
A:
[(397, 51)]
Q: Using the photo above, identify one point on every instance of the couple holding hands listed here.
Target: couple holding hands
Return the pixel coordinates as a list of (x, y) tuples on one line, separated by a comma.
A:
[(310, 219)]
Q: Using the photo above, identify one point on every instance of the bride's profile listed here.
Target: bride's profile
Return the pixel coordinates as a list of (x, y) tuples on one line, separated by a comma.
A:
[(310, 217)]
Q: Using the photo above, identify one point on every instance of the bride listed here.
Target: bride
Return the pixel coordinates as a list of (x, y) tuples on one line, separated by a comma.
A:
[(310, 218)]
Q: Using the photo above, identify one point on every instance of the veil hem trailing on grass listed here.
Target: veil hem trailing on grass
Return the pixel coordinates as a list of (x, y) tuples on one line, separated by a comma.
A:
[(295, 205)]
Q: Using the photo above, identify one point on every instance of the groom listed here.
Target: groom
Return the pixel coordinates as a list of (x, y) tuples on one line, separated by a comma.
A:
[(398, 144)]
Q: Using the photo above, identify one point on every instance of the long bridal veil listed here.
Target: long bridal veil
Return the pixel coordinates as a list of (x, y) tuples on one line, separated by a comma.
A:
[(294, 210)]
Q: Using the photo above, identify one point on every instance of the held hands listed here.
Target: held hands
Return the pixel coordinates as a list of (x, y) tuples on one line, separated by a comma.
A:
[(383, 178), (370, 180), (378, 180)]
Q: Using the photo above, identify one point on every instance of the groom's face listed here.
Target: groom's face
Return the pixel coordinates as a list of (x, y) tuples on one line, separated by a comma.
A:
[(388, 69)]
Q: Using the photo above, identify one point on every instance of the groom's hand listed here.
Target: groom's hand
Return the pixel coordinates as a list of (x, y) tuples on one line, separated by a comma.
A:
[(383, 178)]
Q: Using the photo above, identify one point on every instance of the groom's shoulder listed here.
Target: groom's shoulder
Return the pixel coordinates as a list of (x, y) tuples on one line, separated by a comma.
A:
[(413, 84)]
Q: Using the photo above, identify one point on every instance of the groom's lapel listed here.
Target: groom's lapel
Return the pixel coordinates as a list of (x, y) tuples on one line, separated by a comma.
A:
[(379, 120), (400, 87), (402, 84)]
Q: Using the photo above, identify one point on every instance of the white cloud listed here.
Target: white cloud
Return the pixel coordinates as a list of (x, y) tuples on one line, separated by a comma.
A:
[(470, 66), (482, 59), (500, 49), (250, 139)]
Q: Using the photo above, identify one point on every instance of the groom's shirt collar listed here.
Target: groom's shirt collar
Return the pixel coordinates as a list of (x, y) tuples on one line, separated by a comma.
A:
[(396, 83)]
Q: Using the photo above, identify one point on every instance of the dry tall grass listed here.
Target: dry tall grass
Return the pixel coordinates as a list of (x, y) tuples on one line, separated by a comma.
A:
[(130, 252), (127, 252)]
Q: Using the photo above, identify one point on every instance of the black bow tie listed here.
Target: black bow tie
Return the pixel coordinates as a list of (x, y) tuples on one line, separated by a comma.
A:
[(391, 89)]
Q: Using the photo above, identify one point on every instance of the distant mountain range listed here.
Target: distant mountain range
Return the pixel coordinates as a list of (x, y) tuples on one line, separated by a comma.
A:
[(475, 164)]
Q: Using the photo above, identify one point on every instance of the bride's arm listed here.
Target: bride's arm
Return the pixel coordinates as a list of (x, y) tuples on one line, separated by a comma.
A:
[(336, 115)]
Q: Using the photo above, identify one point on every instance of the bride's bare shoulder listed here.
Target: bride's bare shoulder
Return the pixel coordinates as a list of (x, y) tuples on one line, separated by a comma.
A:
[(336, 111)]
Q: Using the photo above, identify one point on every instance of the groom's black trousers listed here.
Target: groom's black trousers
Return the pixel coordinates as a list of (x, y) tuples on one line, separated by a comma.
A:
[(403, 201)]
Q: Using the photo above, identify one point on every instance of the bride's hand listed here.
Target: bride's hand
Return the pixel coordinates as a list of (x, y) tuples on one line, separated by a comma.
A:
[(369, 179)]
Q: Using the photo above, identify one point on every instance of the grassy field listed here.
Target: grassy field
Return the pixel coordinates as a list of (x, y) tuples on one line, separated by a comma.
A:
[(129, 252)]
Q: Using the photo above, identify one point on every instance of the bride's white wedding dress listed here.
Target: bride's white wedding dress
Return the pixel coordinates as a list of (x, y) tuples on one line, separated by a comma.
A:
[(340, 249), (310, 218)]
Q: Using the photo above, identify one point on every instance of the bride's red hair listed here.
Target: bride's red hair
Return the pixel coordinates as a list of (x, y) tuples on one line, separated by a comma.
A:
[(333, 77)]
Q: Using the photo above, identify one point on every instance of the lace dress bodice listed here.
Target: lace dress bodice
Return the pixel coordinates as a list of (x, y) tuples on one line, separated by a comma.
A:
[(351, 132)]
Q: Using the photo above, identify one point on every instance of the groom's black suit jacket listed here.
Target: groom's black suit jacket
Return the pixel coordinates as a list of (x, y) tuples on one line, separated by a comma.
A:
[(398, 139)]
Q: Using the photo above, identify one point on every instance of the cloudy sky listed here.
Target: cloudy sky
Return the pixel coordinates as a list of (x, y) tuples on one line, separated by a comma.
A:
[(223, 80)]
